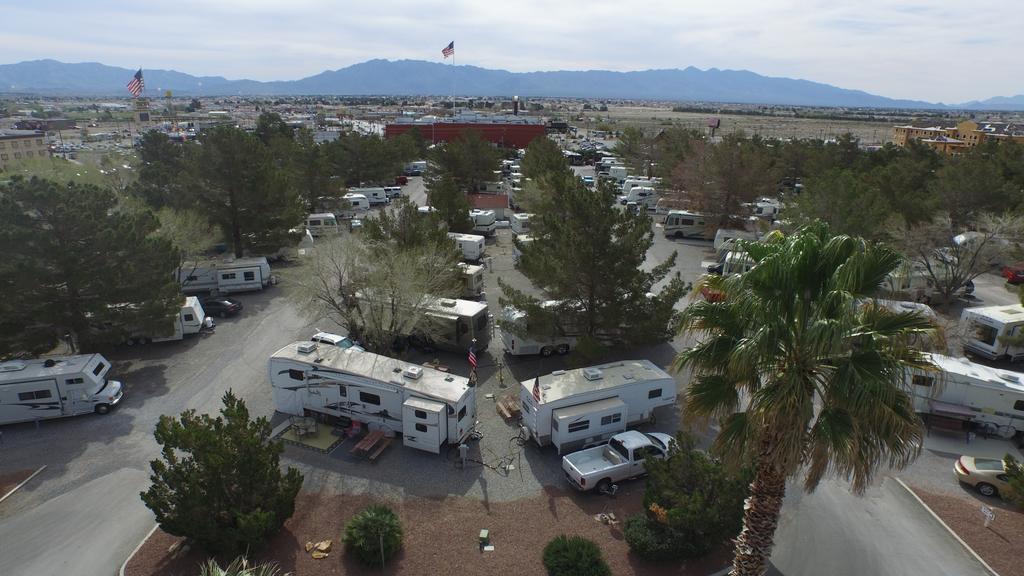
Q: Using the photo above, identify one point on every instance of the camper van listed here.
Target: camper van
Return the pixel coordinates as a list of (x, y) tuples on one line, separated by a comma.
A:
[(986, 329), (454, 323), (429, 408), (518, 339), (573, 409), (375, 196), (984, 398), (226, 277), (520, 224), (685, 224), (393, 192), (46, 388), (484, 222), (358, 203), (471, 245), (472, 281), (323, 224)]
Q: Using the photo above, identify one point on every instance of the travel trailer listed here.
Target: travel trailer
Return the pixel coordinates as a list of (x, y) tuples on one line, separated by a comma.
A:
[(375, 196), (984, 398), (518, 339), (225, 277), (455, 323), (429, 408), (46, 388), (322, 224), (638, 181), (188, 320), (484, 222), (987, 328), (358, 203), (471, 245), (520, 224), (472, 281), (572, 409), (685, 224)]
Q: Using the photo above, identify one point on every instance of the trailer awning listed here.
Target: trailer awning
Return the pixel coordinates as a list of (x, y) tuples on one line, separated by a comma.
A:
[(948, 409)]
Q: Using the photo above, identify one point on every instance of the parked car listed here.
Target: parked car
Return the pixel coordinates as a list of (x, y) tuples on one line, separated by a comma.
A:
[(336, 340), (401, 180), (221, 306), (1014, 273), (986, 475)]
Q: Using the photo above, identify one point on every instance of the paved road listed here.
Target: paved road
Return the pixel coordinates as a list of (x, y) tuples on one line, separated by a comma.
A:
[(885, 532)]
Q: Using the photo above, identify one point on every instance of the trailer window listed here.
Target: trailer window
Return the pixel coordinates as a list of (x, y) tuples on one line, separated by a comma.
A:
[(368, 398), (611, 419), (526, 407), (579, 426), (656, 393), (34, 395), (296, 374), (554, 425), (420, 414), (481, 322), (189, 317), (421, 427), (922, 380), (985, 334), (99, 368), (249, 276), (1019, 405), (228, 276), (462, 413), (343, 390), (75, 381)]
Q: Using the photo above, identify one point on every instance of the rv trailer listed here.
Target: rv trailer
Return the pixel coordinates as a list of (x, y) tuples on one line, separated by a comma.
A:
[(990, 331), (225, 277)]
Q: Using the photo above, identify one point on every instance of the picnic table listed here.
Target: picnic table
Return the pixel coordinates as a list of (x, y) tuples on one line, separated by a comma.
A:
[(508, 407), (371, 445)]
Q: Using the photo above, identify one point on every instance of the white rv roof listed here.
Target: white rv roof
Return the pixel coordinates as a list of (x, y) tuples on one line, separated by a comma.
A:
[(466, 237), (18, 370), (228, 264), (686, 213), (456, 306), (321, 215), (564, 383), (1004, 314), (984, 374), (522, 216), (433, 383), (587, 408), (470, 269)]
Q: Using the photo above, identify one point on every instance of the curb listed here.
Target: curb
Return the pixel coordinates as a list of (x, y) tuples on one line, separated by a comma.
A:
[(946, 526), (124, 565), (23, 482)]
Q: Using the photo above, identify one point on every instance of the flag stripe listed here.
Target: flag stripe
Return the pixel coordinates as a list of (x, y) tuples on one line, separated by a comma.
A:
[(449, 50), (136, 84), (472, 356)]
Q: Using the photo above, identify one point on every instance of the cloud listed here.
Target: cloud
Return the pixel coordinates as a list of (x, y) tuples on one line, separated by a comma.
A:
[(936, 50)]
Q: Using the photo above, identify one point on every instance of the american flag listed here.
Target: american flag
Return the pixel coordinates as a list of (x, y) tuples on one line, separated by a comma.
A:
[(472, 355), (137, 84), (449, 50), (536, 388)]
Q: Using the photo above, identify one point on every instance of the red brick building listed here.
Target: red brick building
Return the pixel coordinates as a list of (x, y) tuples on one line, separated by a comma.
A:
[(511, 134)]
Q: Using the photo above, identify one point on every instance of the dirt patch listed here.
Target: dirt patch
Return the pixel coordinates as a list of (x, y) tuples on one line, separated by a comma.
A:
[(9, 480), (999, 544), (441, 537)]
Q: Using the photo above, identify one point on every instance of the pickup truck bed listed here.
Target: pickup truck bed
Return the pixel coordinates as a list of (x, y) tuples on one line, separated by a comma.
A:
[(591, 460)]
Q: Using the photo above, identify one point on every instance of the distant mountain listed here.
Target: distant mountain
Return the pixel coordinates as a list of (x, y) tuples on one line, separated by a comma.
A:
[(416, 77), (1005, 103)]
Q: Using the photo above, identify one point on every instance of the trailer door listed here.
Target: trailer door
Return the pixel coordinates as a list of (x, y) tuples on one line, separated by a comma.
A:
[(421, 424)]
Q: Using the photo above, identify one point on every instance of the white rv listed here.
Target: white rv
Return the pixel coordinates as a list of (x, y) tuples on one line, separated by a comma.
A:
[(685, 224), (393, 191), (618, 173), (484, 222), (358, 204), (989, 398), (427, 407), (725, 239), (638, 181), (986, 329), (233, 275), (471, 245), (472, 281), (55, 387), (517, 339), (322, 224), (454, 323), (520, 224), (375, 196), (188, 320), (576, 408), (644, 196)]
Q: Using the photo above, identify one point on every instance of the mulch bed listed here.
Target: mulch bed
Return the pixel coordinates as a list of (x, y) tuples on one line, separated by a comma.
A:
[(999, 544), (441, 537), (9, 480)]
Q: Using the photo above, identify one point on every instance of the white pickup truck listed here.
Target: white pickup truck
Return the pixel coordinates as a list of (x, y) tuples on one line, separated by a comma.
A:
[(620, 459)]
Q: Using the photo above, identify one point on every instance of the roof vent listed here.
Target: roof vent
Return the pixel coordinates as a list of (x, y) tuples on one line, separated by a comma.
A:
[(558, 372), (49, 363), (447, 303), (1010, 377), (306, 347), (412, 372), (12, 366), (592, 373)]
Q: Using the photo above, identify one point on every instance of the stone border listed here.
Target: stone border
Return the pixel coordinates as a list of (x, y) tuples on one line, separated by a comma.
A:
[(124, 565), (23, 482), (946, 526)]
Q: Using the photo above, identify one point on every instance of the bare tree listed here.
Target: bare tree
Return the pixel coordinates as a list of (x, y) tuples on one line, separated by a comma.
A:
[(379, 294)]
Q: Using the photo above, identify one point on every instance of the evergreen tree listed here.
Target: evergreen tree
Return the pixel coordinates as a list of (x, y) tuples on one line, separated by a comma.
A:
[(270, 125), (163, 171), (543, 157), (451, 204), (219, 481), (468, 161), (405, 228), (77, 264)]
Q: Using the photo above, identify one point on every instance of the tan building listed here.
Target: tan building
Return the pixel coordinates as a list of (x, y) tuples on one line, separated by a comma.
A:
[(20, 145), (954, 139)]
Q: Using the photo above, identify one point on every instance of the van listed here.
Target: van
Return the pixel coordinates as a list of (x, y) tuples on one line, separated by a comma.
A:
[(393, 191), (685, 224), (323, 224)]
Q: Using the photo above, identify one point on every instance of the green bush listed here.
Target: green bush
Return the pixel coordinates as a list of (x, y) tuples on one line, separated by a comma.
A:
[(649, 539), (371, 529), (574, 556), (1015, 478)]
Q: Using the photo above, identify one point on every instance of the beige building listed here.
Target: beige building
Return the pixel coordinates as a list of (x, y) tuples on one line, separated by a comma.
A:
[(20, 145), (952, 139)]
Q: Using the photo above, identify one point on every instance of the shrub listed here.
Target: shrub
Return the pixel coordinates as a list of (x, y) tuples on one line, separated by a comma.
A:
[(240, 567), (574, 556), (371, 529), (1015, 478), (649, 539)]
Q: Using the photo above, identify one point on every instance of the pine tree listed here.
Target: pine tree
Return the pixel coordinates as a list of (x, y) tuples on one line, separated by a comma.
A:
[(451, 204)]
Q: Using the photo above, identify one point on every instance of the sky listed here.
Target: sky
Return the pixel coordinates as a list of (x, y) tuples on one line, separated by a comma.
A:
[(934, 50)]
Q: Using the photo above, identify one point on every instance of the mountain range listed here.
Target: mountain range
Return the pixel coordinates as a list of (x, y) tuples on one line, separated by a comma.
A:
[(417, 77)]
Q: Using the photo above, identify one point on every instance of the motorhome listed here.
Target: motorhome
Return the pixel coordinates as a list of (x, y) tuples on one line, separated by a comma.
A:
[(323, 224), (46, 388), (484, 222), (520, 224), (472, 281), (375, 196), (572, 409), (685, 224), (393, 192), (766, 208), (986, 398), (358, 204), (643, 196), (225, 277), (725, 239), (471, 245), (990, 331), (518, 339), (429, 408), (453, 323)]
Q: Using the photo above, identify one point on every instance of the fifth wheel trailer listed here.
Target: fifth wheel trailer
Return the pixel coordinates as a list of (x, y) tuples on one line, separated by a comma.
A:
[(987, 328), (427, 407), (471, 245), (56, 387), (571, 409)]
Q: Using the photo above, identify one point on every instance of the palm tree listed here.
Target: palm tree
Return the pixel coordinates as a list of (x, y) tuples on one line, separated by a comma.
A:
[(802, 376)]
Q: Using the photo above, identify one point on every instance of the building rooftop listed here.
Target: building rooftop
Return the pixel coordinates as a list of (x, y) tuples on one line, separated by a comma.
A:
[(15, 134), (488, 201), (564, 383)]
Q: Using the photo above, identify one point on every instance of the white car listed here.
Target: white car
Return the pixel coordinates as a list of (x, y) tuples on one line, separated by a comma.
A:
[(336, 340)]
